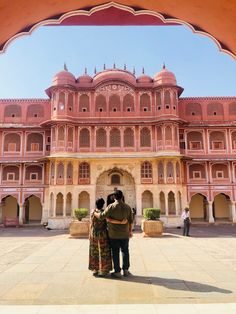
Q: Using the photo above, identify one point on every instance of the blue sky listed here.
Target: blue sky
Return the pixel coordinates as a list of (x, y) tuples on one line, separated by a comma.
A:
[(30, 62)]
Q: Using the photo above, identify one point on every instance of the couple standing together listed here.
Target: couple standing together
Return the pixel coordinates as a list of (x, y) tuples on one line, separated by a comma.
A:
[(110, 230)]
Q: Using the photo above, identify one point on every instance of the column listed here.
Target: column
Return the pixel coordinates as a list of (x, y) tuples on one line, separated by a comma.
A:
[(64, 206), (166, 204), (54, 204), (21, 214), (210, 213), (233, 212)]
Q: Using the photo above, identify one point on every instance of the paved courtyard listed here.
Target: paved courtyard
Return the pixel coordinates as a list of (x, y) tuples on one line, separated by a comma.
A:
[(45, 271)]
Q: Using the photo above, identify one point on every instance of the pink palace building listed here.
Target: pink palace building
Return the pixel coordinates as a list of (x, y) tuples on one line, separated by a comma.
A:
[(117, 130)]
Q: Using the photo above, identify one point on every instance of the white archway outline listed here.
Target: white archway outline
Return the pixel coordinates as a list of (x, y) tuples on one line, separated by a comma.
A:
[(121, 7)]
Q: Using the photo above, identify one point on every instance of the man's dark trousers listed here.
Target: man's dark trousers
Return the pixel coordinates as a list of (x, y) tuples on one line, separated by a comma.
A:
[(116, 246)]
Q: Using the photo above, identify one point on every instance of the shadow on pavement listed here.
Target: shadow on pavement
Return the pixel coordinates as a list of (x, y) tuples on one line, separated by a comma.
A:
[(174, 284)]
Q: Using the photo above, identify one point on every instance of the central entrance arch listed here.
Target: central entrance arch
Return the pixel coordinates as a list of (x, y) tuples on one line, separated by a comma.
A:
[(116, 178)]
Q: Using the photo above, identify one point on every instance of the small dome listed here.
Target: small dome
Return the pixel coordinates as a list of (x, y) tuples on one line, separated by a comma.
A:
[(113, 74), (63, 78), (85, 78), (144, 79), (165, 77)]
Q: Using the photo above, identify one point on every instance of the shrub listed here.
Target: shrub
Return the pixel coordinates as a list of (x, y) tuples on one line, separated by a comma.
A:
[(151, 213), (80, 213)]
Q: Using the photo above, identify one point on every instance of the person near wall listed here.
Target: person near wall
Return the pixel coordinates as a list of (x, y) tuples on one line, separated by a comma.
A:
[(186, 220), (119, 234)]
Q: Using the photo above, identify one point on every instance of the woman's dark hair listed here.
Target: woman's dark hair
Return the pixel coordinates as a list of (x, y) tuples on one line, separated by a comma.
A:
[(100, 203)]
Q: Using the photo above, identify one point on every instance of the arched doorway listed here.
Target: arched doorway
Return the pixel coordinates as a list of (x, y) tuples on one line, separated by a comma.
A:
[(147, 200), (84, 200), (171, 203), (162, 203), (59, 204), (221, 207), (32, 209), (116, 178), (68, 204), (198, 207), (10, 207)]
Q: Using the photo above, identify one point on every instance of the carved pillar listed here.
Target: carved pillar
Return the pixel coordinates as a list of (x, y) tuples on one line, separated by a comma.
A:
[(64, 205), (54, 205), (166, 204)]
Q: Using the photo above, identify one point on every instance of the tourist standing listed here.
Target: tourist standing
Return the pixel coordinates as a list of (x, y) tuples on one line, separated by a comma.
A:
[(186, 220), (119, 234)]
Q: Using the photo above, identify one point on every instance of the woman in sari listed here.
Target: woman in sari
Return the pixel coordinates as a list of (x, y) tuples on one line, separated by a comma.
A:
[(100, 262)]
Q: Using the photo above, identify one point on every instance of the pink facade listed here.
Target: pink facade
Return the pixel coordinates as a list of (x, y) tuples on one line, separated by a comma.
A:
[(184, 142)]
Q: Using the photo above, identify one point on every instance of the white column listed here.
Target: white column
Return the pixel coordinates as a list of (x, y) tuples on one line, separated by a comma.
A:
[(21, 214), (210, 213), (166, 204)]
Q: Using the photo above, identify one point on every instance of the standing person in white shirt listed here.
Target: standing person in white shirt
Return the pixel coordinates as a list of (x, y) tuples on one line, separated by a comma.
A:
[(186, 219)]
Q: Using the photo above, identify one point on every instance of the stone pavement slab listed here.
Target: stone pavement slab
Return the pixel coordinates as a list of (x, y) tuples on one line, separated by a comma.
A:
[(45, 270)]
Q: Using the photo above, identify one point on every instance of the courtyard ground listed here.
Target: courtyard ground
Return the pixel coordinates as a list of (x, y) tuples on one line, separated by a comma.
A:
[(45, 271)]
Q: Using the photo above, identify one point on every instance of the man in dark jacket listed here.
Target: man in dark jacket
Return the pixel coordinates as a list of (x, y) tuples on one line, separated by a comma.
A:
[(119, 234)]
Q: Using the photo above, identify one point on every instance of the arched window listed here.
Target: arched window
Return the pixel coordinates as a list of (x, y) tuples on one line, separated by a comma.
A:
[(61, 133), (70, 102), (115, 138), (33, 173), (114, 103), (167, 99), (128, 103), (145, 102), (170, 170), (34, 142), (101, 138), (194, 140), (70, 136), (128, 138), (168, 133), (217, 140), (159, 136), (69, 173), (12, 142), (146, 170), (60, 173), (158, 100), (84, 170), (197, 171), (145, 137), (84, 138), (160, 172), (100, 103), (10, 173), (84, 103), (115, 179), (62, 101)]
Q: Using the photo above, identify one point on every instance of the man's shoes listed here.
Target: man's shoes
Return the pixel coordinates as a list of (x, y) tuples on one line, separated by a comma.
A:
[(126, 273), (116, 275)]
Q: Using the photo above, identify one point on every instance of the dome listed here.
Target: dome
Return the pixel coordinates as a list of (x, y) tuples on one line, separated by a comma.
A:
[(114, 74), (85, 78), (144, 79), (63, 78), (165, 77)]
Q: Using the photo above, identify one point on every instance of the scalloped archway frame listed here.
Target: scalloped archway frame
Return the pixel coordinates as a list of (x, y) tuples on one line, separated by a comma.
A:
[(209, 18)]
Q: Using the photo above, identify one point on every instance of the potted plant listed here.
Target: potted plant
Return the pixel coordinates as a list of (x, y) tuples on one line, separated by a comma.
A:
[(152, 226), (78, 226)]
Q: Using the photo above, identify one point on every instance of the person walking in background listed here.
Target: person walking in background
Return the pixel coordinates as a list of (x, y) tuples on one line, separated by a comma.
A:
[(119, 234), (186, 220)]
